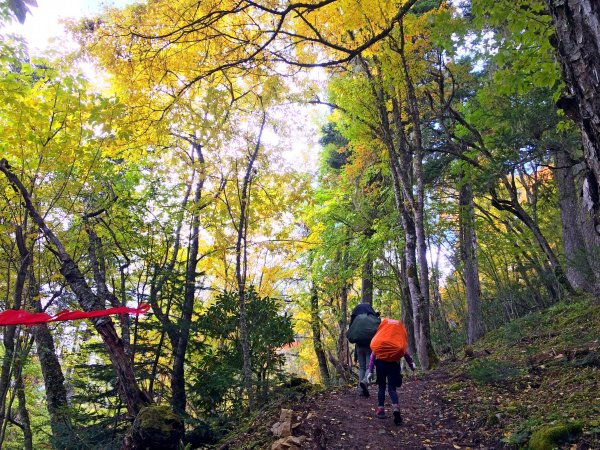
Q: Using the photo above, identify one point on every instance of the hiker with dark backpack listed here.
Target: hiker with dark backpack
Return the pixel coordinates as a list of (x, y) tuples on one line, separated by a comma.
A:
[(364, 322), (389, 345)]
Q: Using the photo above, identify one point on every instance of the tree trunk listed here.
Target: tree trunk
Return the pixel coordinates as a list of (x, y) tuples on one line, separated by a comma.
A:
[(438, 309), (10, 332), (240, 264), (367, 281), (23, 413), (54, 380), (401, 163), (578, 270), (468, 252), (590, 237), (407, 312), (54, 383), (343, 347), (187, 308), (419, 204), (414, 288), (159, 279), (577, 42), (315, 323)]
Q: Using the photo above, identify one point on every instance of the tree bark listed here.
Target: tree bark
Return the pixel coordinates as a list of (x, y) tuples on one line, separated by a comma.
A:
[(577, 43), (590, 237), (54, 380), (343, 347), (578, 269), (468, 252), (315, 323), (438, 308), (407, 311), (367, 281), (54, 383), (23, 412)]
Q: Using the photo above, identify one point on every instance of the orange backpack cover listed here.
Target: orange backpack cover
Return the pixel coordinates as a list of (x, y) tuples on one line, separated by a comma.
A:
[(390, 343)]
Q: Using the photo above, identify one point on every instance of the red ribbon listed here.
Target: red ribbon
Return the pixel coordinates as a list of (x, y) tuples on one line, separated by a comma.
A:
[(21, 317)]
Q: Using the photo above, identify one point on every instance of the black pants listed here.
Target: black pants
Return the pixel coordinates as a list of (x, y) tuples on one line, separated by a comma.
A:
[(388, 373)]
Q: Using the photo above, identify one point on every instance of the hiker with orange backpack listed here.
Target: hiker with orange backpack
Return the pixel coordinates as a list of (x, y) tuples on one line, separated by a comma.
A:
[(388, 346)]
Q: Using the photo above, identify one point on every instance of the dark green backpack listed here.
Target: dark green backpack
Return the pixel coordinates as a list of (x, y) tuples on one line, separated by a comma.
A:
[(363, 329)]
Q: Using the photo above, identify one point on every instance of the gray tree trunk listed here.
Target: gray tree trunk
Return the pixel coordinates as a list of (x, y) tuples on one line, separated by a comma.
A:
[(578, 270), (54, 380), (468, 252), (400, 167), (418, 205), (591, 238), (577, 42), (23, 412), (407, 312)]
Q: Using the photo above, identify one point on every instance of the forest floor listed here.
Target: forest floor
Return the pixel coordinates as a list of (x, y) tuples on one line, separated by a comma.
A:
[(535, 374)]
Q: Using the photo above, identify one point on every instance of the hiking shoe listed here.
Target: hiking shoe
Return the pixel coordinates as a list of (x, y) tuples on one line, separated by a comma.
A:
[(380, 413), (365, 391), (397, 418)]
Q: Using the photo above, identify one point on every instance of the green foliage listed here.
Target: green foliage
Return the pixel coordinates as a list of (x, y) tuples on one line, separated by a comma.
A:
[(521, 49), (335, 147), (423, 6), (216, 378)]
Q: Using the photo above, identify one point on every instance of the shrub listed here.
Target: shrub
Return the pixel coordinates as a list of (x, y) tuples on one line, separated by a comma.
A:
[(490, 371)]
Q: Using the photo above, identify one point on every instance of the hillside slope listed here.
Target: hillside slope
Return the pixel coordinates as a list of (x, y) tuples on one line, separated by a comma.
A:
[(534, 383), (533, 375)]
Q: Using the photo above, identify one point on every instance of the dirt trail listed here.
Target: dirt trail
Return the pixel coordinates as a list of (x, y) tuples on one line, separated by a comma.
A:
[(341, 419)]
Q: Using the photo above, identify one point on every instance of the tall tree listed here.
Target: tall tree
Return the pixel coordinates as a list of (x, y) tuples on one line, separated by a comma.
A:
[(468, 252), (241, 259), (577, 40)]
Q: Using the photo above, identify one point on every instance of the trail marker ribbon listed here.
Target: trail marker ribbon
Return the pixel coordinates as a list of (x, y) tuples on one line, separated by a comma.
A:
[(21, 317)]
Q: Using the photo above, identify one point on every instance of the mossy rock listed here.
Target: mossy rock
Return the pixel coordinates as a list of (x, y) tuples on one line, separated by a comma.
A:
[(550, 437), (157, 427)]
